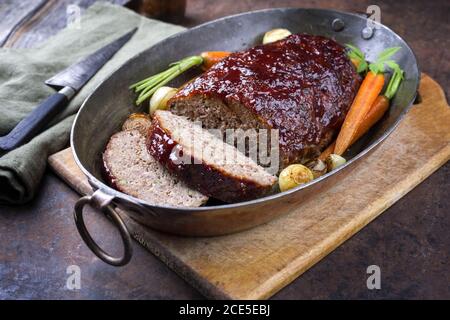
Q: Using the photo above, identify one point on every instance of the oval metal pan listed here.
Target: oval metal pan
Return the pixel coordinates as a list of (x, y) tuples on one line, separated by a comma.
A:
[(108, 106)]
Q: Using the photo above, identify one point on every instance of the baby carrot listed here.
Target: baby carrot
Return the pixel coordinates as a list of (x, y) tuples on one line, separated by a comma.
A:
[(375, 113), (365, 98)]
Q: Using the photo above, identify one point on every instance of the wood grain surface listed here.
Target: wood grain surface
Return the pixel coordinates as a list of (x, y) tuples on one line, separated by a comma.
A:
[(257, 263)]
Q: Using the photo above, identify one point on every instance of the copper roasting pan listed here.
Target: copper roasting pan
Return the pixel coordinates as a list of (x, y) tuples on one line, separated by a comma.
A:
[(103, 112)]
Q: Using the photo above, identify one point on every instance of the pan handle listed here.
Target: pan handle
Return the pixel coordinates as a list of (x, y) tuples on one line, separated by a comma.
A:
[(102, 201)]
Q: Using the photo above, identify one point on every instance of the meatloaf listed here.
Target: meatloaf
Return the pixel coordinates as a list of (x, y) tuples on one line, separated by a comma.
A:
[(129, 168), (302, 86), (204, 162)]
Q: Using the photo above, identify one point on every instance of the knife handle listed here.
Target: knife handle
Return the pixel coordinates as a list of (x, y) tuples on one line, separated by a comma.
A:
[(36, 120)]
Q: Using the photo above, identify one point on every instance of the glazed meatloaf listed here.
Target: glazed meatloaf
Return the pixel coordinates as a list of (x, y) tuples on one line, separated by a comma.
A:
[(128, 167), (302, 85), (203, 161)]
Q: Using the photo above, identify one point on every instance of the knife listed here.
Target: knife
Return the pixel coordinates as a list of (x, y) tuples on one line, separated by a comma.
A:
[(68, 82)]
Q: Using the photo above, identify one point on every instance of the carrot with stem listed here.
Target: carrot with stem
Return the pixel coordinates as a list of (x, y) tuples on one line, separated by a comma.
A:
[(375, 112), (368, 92)]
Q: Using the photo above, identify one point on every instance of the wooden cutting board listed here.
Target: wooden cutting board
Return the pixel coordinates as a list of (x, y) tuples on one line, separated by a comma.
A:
[(257, 263)]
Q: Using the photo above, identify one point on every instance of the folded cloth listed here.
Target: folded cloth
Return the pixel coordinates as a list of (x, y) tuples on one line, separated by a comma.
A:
[(22, 75)]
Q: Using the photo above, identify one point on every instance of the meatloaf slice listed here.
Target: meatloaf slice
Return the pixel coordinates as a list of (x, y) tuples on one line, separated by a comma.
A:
[(204, 161), (131, 169), (302, 85)]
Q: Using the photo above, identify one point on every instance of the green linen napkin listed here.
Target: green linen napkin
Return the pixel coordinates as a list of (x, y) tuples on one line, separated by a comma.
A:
[(22, 75)]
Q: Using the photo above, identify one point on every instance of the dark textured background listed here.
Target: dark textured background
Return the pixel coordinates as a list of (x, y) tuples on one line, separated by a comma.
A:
[(410, 241)]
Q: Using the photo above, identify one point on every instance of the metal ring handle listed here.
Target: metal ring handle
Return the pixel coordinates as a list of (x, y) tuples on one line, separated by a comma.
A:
[(107, 209)]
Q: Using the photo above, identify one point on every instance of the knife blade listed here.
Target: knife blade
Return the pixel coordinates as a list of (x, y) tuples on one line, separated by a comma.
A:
[(69, 81)]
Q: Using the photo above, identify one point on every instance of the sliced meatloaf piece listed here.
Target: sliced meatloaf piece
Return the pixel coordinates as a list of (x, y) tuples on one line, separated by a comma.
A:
[(204, 161), (129, 168), (302, 85)]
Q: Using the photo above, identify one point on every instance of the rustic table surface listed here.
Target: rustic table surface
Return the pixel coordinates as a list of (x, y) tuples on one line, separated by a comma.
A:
[(410, 242)]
